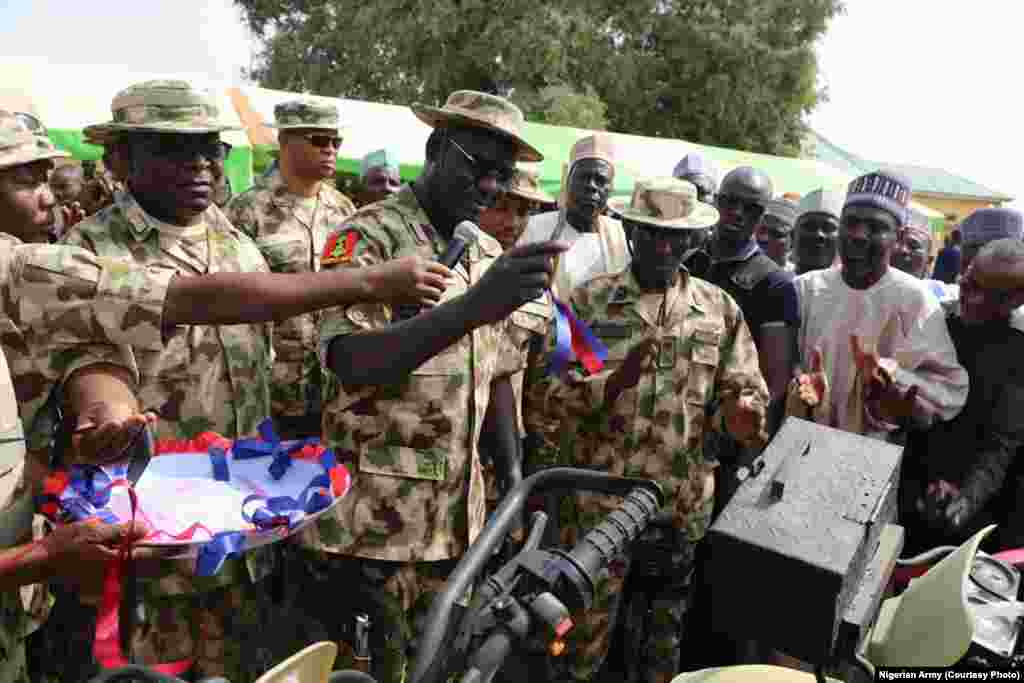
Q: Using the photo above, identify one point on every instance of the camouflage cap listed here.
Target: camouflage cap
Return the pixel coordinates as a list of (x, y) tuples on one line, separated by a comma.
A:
[(665, 203), (380, 158), (481, 110), (161, 107), (306, 114), (20, 145), (526, 184)]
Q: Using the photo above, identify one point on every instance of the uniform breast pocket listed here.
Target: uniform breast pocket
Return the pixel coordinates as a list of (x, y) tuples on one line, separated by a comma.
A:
[(425, 424), (705, 357), (287, 255)]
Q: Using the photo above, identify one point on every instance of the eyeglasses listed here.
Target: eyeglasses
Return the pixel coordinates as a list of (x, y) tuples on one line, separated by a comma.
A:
[(997, 296), (503, 174), (320, 140)]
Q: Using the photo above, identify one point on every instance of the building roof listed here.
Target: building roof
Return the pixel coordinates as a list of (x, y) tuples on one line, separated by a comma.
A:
[(933, 181)]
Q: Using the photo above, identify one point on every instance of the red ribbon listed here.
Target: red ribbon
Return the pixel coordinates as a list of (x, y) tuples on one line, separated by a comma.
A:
[(107, 643)]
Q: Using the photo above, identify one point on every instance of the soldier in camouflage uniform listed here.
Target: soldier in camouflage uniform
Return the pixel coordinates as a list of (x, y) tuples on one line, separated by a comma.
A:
[(417, 391), (680, 361), (76, 552), (289, 216), (202, 378)]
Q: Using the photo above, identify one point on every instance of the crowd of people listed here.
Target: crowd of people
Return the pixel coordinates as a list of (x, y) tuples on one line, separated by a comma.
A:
[(146, 293)]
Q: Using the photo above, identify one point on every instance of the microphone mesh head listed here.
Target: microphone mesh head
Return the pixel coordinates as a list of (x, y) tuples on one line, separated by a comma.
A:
[(467, 232)]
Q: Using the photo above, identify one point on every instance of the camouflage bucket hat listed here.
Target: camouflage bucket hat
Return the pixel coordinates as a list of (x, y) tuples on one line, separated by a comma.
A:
[(665, 203), (161, 107), (20, 145), (481, 110), (306, 114), (526, 184)]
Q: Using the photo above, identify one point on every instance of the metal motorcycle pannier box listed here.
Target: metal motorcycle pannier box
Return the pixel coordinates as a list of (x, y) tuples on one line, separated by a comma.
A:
[(789, 551)]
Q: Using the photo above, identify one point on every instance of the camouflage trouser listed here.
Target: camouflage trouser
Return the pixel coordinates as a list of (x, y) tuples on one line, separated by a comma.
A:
[(222, 628), (396, 596), (641, 598)]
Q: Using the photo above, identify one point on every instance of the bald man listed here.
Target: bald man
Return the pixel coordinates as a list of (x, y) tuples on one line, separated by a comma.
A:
[(953, 474)]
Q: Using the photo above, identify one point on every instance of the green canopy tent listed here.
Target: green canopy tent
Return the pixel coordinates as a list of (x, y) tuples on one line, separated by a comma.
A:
[(69, 97), (372, 125)]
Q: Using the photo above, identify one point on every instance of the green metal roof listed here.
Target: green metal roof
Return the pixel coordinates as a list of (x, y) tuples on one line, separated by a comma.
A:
[(924, 180)]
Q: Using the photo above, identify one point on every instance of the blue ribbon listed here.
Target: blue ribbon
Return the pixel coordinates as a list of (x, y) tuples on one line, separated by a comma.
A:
[(563, 341), (285, 510), (270, 444), (219, 460), (91, 487), (218, 549)]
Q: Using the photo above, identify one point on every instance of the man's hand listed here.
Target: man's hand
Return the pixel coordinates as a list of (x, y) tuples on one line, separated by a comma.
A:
[(745, 419), (72, 214), (105, 431), (944, 507), (884, 399), (628, 374), (519, 275), (78, 553), (408, 280), (812, 386)]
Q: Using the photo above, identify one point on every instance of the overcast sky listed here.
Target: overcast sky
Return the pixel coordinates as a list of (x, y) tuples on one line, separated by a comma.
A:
[(911, 81)]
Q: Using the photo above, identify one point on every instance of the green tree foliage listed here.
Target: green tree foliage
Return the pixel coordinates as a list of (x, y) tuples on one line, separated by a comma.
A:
[(733, 73)]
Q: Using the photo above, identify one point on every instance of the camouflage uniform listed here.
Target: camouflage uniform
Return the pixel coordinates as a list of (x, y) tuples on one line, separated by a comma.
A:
[(54, 293), (654, 430), (202, 378), (291, 237), (417, 498)]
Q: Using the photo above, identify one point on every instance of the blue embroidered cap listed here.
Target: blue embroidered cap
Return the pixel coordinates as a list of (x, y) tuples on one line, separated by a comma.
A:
[(885, 190)]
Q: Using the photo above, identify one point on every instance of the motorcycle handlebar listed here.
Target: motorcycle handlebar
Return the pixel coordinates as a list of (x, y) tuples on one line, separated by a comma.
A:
[(430, 660)]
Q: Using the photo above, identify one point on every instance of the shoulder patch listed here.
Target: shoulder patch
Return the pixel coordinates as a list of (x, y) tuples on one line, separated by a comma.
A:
[(340, 246)]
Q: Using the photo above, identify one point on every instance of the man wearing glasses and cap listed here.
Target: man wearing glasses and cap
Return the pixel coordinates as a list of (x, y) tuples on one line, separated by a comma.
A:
[(663, 328), (417, 389), (598, 243), (203, 378), (775, 231), (290, 216)]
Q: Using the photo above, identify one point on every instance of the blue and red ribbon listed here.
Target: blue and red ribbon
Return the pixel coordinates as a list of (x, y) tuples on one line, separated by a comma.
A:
[(574, 341), (270, 444)]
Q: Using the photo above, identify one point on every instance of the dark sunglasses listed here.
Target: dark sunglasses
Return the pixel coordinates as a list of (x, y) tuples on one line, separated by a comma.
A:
[(678, 239), (320, 141), (503, 174), (183, 148)]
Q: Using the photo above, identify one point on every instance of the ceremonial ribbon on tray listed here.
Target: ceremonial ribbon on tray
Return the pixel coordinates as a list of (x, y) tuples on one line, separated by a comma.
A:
[(82, 492), (574, 340)]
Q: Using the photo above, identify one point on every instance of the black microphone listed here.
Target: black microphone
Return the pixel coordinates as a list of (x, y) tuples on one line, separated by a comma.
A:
[(466, 234)]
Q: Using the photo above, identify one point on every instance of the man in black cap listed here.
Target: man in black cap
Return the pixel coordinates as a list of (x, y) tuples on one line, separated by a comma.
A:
[(763, 290)]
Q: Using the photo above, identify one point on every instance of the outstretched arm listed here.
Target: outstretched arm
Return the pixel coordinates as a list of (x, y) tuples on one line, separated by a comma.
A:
[(239, 298)]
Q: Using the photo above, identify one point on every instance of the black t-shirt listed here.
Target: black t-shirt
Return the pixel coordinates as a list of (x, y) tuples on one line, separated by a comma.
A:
[(772, 299)]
